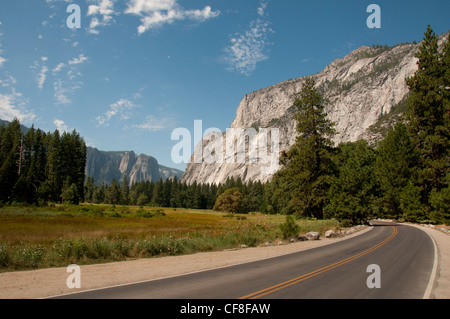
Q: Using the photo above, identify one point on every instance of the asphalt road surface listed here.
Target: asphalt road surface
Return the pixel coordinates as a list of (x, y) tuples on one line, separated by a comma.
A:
[(403, 257)]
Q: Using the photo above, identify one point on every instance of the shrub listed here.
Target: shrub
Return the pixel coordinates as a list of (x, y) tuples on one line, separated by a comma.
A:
[(31, 256), (290, 227), (231, 201), (5, 258), (142, 213)]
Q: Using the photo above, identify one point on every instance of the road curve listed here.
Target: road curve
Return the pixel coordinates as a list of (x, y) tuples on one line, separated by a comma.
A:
[(405, 256)]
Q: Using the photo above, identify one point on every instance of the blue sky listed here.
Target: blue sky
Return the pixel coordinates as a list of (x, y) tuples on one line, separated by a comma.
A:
[(138, 69)]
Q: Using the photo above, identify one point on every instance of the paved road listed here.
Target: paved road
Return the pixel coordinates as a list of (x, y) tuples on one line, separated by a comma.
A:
[(404, 254)]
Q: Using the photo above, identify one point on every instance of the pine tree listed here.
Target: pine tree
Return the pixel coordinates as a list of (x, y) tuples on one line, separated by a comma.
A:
[(353, 189), (125, 191), (158, 193), (429, 112), (89, 189), (308, 164), (99, 194), (396, 168), (114, 193), (10, 159), (54, 177)]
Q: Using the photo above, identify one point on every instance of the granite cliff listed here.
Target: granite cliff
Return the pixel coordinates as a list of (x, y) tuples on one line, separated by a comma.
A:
[(361, 88), (104, 166)]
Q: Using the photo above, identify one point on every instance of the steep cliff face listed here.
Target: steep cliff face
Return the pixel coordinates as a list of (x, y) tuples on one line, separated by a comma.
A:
[(104, 166), (359, 88)]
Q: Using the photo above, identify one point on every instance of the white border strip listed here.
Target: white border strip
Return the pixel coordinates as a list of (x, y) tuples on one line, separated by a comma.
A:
[(430, 285)]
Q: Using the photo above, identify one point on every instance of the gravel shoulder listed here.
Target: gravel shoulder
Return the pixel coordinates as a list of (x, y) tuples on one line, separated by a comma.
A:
[(50, 282)]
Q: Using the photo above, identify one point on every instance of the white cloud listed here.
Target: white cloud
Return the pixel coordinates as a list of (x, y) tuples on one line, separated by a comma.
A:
[(66, 83), (155, 13), (261, 8), (59, 67), (102, 15), (61, 92), (60, 126), (13, 106), (80, 60), (120, 108), (42, 76), (2, 59), (9, 81), (248, 48)]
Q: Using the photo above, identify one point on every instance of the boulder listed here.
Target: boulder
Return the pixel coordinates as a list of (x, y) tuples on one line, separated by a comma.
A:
[(330, 234), (313, 235)]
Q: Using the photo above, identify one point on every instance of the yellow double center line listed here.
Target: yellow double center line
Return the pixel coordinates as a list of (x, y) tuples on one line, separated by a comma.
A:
[(296, 280)]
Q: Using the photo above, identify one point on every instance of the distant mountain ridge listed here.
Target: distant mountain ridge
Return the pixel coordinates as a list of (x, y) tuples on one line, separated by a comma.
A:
[(105, 166)]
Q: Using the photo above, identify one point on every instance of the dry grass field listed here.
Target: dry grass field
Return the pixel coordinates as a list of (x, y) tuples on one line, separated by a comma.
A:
[(51, 236)]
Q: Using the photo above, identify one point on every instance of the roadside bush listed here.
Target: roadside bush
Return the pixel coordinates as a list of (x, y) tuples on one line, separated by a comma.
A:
[(290, 227), (5, 257), (101, 248), (30, 256)]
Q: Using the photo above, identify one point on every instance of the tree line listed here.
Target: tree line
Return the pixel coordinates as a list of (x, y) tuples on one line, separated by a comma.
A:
[(38, 167), (174, 193)]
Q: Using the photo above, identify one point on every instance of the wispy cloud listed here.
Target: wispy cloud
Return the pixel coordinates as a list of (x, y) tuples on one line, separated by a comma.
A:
[(43, 69), (60, 125), (102, 15), (58, 68), (79, 60), (12, 105), (155, 13), (249, 48), (42, 76), (120, 108), (66, 83)]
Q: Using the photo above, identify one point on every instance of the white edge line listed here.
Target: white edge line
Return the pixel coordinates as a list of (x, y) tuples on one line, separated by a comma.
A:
[(199, 271), (430, 285)]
